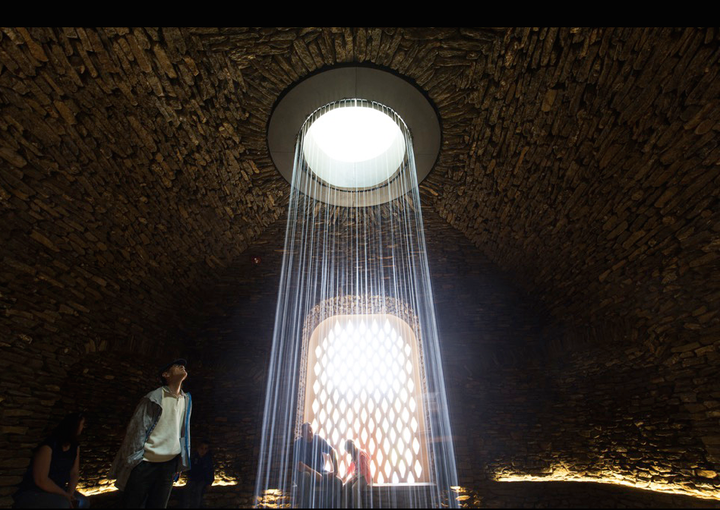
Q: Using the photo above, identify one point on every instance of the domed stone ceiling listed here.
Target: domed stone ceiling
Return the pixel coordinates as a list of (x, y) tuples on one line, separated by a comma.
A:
[(582, 161)]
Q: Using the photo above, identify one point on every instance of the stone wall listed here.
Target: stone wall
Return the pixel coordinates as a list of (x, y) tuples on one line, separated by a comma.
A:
[(593, 177), (590, 409), (613, 415), (98, 247)]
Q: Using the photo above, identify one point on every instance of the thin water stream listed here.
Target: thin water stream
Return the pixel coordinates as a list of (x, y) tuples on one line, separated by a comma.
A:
[(355, 347)]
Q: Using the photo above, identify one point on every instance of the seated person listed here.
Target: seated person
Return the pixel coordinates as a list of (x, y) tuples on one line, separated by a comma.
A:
[(358, 477), (317, 486), (53, 474)]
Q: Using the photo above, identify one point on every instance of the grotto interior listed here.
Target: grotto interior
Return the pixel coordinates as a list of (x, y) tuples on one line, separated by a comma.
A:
[(572, 231)]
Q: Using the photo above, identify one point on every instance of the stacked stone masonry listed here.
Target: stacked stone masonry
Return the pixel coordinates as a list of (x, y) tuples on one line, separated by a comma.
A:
[(572, 222)]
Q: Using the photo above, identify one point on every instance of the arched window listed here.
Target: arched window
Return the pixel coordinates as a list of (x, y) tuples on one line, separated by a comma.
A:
[(364, 382)]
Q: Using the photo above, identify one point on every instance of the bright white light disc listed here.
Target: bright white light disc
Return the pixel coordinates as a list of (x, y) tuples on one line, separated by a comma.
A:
[(354, 147)]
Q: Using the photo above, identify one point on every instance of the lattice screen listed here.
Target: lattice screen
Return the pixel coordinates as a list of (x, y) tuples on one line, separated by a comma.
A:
[(364, 383)]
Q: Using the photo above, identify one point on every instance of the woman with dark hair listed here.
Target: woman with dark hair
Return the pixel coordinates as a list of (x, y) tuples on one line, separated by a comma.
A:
[(53, 474)]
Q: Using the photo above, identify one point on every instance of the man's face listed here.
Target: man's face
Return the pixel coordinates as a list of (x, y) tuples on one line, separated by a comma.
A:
[(202, 450), (175, 373), (308, 433)]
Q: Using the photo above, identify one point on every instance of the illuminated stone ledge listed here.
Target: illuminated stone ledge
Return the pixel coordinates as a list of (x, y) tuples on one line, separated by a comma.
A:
[(709, 491), (95, 490), (220, 480)]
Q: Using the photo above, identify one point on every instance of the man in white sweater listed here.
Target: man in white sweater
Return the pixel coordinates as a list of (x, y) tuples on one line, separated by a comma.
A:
[(157, 442)]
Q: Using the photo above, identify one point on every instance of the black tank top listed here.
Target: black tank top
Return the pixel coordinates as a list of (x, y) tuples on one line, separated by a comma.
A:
[(61, 464)]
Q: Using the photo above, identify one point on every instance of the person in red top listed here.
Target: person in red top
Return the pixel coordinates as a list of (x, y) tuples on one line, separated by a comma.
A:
[(358, 476)]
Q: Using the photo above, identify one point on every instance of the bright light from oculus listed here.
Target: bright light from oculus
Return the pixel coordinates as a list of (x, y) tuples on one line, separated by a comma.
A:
[(354, 147)]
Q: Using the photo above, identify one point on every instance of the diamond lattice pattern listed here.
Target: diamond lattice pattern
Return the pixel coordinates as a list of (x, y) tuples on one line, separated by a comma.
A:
[(363, 385)]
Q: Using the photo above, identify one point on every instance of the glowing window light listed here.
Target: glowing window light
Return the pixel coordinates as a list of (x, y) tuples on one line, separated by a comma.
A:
[(354, 147), (372, 378)]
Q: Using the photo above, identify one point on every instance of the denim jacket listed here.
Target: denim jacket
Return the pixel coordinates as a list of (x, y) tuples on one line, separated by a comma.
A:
[(141, 424)]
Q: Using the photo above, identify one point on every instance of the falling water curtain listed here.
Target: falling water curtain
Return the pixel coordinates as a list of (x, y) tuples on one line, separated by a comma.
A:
[(355, 347)]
